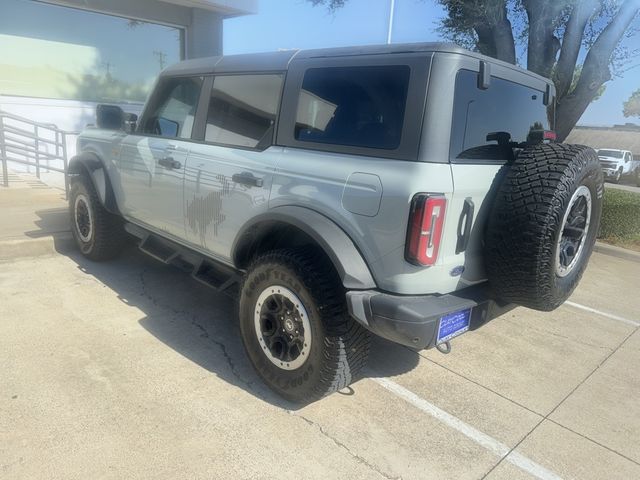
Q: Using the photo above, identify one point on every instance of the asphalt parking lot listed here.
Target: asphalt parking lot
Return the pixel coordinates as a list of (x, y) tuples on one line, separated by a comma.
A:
[(130, 369)]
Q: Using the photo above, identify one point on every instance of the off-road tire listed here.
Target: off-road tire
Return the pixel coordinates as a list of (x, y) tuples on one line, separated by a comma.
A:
[(339, 347), (526, 223), (107, 237)]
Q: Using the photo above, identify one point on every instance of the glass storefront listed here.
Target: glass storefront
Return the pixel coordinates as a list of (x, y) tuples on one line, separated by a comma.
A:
[(57, 52)]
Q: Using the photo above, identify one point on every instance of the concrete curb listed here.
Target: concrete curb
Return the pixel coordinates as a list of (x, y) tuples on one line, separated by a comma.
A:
[(618, 252), (36, 247)]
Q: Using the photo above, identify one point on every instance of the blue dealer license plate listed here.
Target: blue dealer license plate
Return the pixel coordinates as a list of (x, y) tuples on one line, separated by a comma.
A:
[(453, 324)]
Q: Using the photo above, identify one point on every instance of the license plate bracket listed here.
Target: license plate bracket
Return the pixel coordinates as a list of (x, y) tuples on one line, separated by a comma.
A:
[(453, 324)]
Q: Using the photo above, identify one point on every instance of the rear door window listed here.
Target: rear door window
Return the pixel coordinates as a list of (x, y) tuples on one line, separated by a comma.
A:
[(488, 124), (353, 106), (242, 110), (172, 108)]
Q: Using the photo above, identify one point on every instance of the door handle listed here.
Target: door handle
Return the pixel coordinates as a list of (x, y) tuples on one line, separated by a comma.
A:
[(464, 232), (247, 178), (169, 163)]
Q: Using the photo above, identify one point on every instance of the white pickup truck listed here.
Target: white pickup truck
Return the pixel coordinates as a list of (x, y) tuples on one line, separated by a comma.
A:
[(618, 163)]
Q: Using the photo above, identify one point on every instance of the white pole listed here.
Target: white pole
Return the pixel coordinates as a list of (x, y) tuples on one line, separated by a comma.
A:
[(390, 29)]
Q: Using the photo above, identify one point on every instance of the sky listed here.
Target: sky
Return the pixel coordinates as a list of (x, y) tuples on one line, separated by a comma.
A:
[(282, 24)]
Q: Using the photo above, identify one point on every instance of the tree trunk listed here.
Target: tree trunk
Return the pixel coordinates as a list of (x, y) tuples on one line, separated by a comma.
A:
[(495, 35), (595, 70), (503, 36), (571, 43), (543, 45)]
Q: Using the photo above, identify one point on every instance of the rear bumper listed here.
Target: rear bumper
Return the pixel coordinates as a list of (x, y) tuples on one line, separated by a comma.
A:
[(414, 320)]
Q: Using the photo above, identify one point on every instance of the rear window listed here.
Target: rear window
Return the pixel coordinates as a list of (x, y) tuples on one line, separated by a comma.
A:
[(353, 106), (487, 124)]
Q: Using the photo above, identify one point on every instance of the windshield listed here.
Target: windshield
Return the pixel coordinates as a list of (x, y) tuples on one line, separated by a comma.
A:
[(610, 153)]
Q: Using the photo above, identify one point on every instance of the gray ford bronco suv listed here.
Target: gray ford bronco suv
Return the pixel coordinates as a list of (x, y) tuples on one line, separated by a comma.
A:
[(410, 191)]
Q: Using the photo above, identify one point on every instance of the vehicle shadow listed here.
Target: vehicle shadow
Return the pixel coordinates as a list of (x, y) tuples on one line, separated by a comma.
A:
[(51, 221), (201, 324)]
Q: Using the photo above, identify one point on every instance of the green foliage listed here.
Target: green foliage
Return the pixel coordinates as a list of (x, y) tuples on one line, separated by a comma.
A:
[(631, 108), (620, 215)]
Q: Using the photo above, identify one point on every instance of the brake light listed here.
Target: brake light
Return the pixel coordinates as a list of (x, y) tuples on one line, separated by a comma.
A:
[(425, 229)]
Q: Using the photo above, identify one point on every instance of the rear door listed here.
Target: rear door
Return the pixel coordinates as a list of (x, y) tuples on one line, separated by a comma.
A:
[(488, 123), (230, 169), (152, 161)]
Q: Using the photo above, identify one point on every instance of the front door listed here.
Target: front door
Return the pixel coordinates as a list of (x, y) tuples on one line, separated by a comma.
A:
[(228, 175), (152, 161)]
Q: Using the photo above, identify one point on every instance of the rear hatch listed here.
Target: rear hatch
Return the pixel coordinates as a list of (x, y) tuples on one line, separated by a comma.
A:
[(489, 126)]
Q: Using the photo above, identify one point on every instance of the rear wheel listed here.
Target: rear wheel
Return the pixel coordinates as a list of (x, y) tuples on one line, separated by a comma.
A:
[(296, 328), (543, 225)]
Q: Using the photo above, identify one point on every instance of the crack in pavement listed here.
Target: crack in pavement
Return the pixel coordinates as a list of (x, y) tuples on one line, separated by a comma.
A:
[(204, 333), (357, 457)]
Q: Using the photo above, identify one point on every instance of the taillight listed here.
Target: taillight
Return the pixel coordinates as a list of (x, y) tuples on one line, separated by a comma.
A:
[(425, 228)]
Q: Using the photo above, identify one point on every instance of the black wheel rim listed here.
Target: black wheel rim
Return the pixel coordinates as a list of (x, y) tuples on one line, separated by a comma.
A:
[(282, 327), (575, 227), (83, 218)]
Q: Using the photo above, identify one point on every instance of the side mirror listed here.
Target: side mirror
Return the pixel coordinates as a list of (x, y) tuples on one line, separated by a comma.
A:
[(109, 117), (130, 122)]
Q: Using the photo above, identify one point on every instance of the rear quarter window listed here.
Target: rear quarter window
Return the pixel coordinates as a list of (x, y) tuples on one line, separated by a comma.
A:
[(487, 124), (353, 106)]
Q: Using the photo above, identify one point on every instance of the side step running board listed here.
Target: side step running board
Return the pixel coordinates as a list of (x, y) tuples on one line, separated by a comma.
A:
[(207, 271), (158, 249), (216, 276)]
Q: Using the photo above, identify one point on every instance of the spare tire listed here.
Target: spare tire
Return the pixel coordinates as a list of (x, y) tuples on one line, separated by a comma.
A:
[(543, 225)]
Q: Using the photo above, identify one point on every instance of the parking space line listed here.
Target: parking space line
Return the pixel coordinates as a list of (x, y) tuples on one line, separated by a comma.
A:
[(604, 314), (482, 439)]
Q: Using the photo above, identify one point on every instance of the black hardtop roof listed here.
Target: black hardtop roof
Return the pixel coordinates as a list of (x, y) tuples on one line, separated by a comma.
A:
[(279, 61)]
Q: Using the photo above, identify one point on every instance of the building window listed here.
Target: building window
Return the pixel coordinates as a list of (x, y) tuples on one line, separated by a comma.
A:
[(488, 124), (58, 52), (353, 106), (242, 110)]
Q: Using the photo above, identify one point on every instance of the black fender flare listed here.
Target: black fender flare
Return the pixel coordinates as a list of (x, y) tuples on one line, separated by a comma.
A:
[(91, 164), (340, 249)]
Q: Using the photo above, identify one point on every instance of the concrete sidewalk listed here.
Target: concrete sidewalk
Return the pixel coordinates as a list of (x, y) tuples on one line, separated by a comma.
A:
[(34, 219)]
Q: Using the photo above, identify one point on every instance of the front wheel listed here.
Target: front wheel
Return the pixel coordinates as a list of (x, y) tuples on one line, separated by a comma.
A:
[(296, 328), (99, 234)]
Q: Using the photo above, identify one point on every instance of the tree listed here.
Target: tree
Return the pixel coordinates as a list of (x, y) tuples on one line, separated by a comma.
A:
[(632, 105), (574, 42)]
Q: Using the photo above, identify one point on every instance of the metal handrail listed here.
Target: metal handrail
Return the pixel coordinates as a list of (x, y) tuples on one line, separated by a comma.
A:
[(22, 143)]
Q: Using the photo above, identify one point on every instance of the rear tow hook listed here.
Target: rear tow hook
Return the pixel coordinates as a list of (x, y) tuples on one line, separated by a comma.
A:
[(444, 347)]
